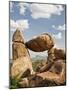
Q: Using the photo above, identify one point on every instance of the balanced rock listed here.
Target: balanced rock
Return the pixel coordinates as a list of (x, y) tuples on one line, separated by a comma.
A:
[(40, 43)]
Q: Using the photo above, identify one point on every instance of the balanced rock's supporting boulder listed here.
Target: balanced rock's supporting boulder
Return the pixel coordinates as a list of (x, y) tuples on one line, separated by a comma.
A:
[(40, 43), (21, 60), (54, 54)]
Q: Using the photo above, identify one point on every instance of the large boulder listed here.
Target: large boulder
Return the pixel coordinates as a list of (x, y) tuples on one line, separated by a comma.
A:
[(40, 43), (21, 67)]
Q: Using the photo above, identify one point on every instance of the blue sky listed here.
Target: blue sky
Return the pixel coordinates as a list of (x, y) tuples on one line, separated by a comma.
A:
[(36, 18)]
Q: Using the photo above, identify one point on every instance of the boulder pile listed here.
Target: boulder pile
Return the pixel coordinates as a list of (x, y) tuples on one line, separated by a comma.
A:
[(52, 71)]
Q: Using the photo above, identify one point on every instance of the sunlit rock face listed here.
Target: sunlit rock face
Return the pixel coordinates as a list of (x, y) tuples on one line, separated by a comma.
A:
[(40, 43), (21, 59), (19, 50), (21, 66)]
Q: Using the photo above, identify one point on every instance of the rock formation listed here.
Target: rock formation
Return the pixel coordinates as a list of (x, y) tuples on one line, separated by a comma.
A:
[(52, 71), (21, 58), (40, 43)]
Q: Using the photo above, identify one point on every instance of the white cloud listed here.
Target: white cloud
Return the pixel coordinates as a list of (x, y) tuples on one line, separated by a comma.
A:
[(22, 8), (41, 10), (11, 6), (45, 10), (21, 24), (59, 27), (58, 36)]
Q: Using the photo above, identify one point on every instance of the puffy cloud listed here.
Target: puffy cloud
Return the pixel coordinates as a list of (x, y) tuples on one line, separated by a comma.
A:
[(11, 6), (21, 24), (41, 10), (23, 7), (45, 10), (58, 36), (59, 27)]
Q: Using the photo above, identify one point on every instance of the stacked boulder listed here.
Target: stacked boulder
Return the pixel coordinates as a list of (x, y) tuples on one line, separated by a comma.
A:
[(40, 43)]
